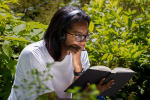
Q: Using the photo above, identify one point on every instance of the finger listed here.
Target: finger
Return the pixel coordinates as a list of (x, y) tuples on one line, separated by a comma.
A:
[(101, 81), (108, 84), (73, 50), (87, 87), (74, 47), (111, 82)]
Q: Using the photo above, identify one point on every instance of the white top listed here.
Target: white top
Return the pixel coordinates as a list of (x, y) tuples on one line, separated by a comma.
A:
[(36, 56)]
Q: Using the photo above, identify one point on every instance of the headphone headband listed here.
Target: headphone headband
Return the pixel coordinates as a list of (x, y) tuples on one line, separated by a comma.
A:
[(65, 19)]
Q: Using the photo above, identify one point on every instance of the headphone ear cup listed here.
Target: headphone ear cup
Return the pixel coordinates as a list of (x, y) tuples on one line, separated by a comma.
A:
[(63, 36)]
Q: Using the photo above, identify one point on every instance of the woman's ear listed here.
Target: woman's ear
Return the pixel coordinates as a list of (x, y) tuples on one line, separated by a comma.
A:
[(63, 36)]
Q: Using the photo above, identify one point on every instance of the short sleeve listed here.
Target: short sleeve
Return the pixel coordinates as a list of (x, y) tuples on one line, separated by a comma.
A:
[(37, 75), (85, 60)]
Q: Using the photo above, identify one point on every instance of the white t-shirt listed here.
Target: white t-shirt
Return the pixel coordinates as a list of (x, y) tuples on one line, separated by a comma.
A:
[(36, 56)]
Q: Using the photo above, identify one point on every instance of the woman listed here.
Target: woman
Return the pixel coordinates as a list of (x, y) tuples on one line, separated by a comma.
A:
[(63, 45)]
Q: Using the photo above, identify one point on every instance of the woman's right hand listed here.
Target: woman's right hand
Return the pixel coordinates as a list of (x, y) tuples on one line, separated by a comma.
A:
[(76, 55)]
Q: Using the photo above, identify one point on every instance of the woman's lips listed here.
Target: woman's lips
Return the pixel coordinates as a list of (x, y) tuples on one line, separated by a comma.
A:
[(82, 47)]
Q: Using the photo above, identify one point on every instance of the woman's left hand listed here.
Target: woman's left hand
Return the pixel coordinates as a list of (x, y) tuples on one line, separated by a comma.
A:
[(99, 86)]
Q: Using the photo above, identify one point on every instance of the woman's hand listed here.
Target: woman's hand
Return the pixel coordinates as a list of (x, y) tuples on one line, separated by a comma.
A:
[(101, 87), (76, 55)]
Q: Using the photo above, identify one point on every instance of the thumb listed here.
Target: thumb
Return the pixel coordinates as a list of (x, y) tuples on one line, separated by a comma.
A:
[(87, 87)]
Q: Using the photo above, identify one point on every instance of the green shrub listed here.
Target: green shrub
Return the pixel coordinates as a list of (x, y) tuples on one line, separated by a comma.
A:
[(122, 39), (14, 36)]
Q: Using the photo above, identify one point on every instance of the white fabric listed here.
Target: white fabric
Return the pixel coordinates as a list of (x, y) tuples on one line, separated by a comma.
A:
[(36, 56)]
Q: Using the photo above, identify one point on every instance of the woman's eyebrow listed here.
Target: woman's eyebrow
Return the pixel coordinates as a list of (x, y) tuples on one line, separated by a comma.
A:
[(80, 32)]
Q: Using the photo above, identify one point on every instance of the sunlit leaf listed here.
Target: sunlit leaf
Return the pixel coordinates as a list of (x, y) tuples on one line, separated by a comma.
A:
[(143, 9), (128, 41), (124, 34), (19, 28), (105, 56), (119, 10), (35, 32), (109, 58), (91, 27), (101, 3), (32, 24), (138, 53), (134, 11), (41, 35), (133, 24), (15, 38), (129, 11), (115, 3), (117, 16), (125, 19), (6, 49), (117, 24)]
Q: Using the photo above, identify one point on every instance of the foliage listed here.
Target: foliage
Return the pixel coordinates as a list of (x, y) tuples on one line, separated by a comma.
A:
[(14, 36), (42, 10), (38, 77), (36, 10), (122, 39), (78, 95)]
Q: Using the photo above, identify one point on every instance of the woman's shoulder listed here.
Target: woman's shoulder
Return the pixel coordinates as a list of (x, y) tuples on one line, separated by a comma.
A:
[(32, 48)]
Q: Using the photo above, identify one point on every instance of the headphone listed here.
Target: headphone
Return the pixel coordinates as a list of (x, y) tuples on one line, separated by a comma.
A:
[(62, 33)]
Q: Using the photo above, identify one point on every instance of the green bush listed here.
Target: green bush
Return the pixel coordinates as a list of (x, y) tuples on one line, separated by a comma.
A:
[(14, 36), (122, 39)]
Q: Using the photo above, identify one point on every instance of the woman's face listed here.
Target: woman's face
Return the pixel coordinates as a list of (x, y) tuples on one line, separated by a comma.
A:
[(77, 28)]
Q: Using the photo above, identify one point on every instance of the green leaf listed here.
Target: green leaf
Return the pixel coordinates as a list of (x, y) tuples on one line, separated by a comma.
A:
[(115, 3), (125, 19), (148, 41), (15, 38), (32, 24), (134, 11), (117, 24), (129, 10), (19, 28), (101, 3), (125, 12), (117, 16), (129, 22), (91, 27), (105, 56), (143, 9), (137, 54), (123, 94), (109, 58), (124, 34), (133, 24), (119, 10), (35, 32), (6, 49), (41, 35), (128, 41), (140, 16)]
